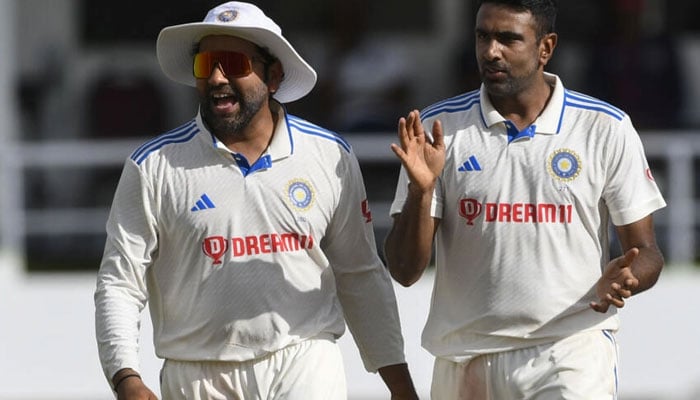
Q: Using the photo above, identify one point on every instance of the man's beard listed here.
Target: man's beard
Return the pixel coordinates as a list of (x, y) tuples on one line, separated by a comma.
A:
[(248, 107), (513, 84)]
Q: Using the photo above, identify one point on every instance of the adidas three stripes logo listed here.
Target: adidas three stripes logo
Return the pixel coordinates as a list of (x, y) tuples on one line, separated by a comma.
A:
[(470, 165), (204, 203)]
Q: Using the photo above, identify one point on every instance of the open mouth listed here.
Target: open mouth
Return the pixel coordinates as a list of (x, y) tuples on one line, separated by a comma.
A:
[(223, 102)]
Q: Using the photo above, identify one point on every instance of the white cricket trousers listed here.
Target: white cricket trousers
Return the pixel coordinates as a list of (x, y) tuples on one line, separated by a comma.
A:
[(311, 370), (580, 367)]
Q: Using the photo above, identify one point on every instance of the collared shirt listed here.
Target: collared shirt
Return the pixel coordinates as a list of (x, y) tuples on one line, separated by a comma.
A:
[(523, 235), (238, 260)]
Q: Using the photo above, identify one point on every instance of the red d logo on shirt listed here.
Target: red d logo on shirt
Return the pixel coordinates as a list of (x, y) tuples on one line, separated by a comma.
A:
[(469, 209), (215, 247)]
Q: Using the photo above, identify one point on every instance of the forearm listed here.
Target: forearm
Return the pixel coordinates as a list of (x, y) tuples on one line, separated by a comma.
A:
[(371, 313), (117, 318), (648, 264), (408, 245), (647, 267), (398, 381)]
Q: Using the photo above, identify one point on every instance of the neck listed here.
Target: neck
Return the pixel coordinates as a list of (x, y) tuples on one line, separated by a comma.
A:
[(253, 140), (524, 108)]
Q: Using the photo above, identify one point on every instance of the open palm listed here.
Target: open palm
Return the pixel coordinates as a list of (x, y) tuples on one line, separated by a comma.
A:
[(422, 158)]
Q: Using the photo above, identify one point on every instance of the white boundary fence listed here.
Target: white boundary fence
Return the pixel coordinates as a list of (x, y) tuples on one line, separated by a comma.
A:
[(677, 151)]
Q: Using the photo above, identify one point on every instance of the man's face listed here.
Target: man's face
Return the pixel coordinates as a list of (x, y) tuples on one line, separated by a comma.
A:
[(507, 50), (228, 104)]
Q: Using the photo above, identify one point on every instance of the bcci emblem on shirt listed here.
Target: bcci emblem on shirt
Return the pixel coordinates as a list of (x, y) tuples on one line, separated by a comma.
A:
[(300, 194), (564, 165)]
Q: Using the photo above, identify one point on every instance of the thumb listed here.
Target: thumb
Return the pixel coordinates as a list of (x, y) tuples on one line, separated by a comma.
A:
[(600, 306), (629, 257)]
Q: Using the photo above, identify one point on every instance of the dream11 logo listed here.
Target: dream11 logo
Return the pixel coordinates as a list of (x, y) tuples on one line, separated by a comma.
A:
[(215, 247), (516, 213)]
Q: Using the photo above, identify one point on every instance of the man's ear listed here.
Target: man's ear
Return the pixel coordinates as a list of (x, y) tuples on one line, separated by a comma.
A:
[(275, 76), (547, 45)]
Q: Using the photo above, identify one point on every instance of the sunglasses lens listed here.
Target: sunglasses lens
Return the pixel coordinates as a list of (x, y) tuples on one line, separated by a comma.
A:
[(234, 65)]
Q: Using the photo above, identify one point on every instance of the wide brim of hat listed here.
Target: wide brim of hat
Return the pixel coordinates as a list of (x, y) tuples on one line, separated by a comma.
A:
[(176, 45)]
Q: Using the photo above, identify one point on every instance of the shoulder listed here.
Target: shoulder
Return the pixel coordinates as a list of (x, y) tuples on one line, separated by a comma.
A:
[(584, 114), (592, 106), (457, 104), (308, 132), (604, 126), (178, 136)]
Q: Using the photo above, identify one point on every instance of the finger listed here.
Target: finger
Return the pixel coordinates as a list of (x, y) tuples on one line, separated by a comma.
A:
[(625, 260), (601, 306), (400, 153), (621, 291), (438, 138), (404, 132), (624, 293), (631, 283), (416, 125), (402, 125), (409, 120), (615, 301), (630, 255)]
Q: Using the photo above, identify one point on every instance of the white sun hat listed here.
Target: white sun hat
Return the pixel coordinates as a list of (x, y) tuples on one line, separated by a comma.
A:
[(176, 45)]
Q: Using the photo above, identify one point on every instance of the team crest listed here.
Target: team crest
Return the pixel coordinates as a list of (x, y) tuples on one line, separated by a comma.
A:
[(300, 194), (227, 16), (564, 164)]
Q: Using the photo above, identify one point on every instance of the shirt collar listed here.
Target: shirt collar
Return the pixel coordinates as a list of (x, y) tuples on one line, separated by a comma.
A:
[(549, 122), (281, 146)]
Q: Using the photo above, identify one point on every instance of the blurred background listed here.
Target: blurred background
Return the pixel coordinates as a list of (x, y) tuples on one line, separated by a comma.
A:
[(80, 88)]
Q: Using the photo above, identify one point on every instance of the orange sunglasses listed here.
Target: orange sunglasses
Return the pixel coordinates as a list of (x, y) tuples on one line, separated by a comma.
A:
[(233, 64)]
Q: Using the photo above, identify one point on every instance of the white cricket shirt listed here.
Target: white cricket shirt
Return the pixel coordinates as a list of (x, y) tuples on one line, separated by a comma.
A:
[(523, 236), (237, 260)]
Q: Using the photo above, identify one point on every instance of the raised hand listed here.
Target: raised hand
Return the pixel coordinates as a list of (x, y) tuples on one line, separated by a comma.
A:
[(422, 158), (617, 283)]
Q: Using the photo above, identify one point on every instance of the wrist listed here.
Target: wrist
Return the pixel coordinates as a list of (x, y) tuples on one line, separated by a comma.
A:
[(398, 380), (122, 376), (420, 191)]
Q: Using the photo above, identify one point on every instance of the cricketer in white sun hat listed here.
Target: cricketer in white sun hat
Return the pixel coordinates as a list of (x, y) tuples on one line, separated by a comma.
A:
[(176, 45)]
